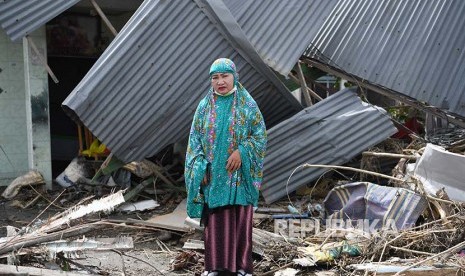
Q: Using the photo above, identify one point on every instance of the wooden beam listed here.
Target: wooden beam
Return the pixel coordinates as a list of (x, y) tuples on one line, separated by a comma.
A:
[(42, 59), (104, 18), (28, 240), (81, 146), (392, 155), (294, 78), (303, 85)]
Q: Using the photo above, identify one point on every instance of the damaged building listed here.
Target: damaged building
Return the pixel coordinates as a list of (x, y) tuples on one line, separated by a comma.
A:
[(110, 88)]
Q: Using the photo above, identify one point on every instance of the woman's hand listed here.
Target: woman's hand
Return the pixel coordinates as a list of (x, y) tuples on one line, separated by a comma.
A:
[(234, 161)]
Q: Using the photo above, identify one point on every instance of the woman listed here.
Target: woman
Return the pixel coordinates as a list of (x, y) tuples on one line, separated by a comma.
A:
[(223, 170)]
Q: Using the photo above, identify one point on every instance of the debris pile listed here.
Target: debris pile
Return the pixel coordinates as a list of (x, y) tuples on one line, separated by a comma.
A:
[(351, 220)]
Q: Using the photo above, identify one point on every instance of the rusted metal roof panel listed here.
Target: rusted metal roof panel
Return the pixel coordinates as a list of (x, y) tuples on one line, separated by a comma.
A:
[(413, 47), (20, 18), (330, 132), (141, 94)]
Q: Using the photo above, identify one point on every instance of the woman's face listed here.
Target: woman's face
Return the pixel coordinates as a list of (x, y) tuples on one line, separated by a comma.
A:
[(222, 82)]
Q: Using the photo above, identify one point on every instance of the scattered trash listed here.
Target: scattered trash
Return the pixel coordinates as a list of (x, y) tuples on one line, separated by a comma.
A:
[(373, 206), (77, 171), (31, 178), (292, 209), (330, 252)]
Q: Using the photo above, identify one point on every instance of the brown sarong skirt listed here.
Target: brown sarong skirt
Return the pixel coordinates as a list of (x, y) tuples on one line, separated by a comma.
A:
[(228, 239)]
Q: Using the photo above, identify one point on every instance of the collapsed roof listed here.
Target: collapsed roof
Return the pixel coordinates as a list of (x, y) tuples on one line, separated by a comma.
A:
[(141, 94), (412, 47), (330, 132), (20, 18)]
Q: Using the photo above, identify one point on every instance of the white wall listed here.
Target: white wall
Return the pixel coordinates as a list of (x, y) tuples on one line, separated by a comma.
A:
[(13, 126), (24, 109), (36, 89)]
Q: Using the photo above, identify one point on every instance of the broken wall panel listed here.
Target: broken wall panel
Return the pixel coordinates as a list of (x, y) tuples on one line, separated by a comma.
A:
[(20, 18), (440, 169), (280, 30), (411, 47), (141, 94), (330, 133)]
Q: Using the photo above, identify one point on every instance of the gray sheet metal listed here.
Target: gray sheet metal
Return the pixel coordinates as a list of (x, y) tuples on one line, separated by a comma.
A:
[(142, 92), (330, 133), (20, 18), (280, 30), (413, 47)]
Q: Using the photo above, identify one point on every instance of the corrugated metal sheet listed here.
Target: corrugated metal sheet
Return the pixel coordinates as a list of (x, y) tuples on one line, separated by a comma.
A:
[(19, 18), (330, 133), (280, 30), (142, 92), (413, 47)]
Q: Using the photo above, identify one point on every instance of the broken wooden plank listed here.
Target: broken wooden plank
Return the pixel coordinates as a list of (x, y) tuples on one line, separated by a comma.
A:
[(42, 59), (173, 221), (136, 190), (306, 165), (308, 89), (142, 205), (194, 245), (392, 155), (104, 18), (19, 204), (271, 210), (303, 85), (72, 248), (86, 244), (34, 271), (105, 204), (18, 242)]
